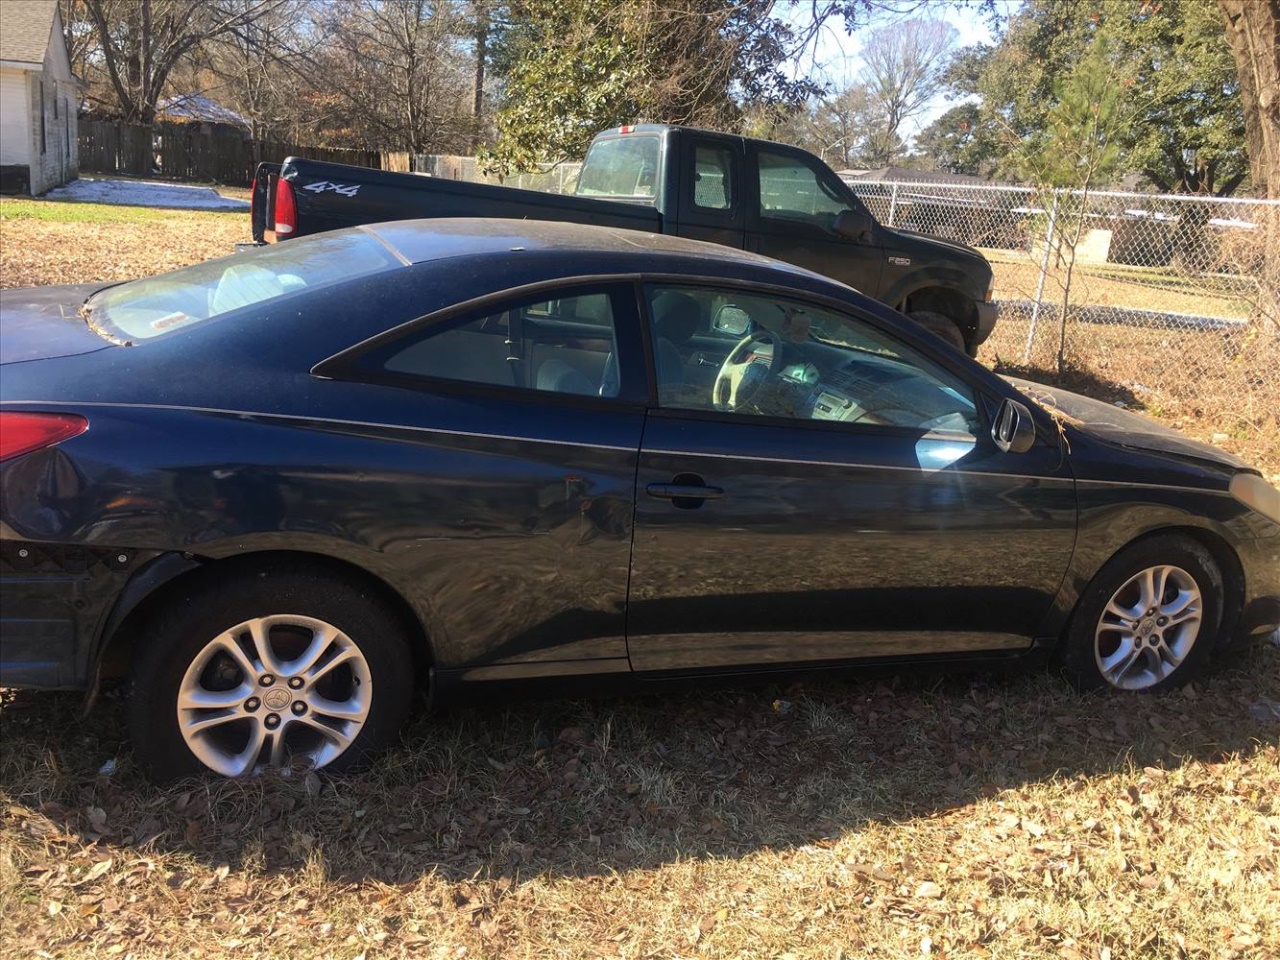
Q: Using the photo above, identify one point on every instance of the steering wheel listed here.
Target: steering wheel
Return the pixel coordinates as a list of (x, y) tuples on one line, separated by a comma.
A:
[(752, 362)]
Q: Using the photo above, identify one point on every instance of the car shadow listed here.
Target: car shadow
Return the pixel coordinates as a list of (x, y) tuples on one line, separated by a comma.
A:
[(582, 788)]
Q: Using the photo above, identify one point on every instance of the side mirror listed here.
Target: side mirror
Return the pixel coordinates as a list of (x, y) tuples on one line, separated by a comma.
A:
[(853, 224), (732, 320), (1014, 430)]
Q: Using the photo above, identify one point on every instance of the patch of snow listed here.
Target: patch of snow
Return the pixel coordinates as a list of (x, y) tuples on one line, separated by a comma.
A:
[(146, 193)]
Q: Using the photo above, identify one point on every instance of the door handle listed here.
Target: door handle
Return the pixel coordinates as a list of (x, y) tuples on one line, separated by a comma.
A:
[(683, 491)]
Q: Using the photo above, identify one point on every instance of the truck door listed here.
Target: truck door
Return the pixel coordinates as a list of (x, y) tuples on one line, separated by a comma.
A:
[(794, 202), (709, 186)]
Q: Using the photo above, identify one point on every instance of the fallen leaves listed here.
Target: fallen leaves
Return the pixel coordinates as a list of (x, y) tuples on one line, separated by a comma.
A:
[(703, 825)]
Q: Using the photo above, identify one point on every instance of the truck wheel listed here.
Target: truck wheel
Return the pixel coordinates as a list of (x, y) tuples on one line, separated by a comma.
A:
[(268, 670), (941, 327)]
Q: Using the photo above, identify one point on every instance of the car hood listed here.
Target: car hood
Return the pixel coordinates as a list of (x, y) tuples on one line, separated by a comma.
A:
[(1123, 428), (37, 323)]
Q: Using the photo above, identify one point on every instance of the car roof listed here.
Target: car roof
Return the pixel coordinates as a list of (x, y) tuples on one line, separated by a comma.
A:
[(421, 241)]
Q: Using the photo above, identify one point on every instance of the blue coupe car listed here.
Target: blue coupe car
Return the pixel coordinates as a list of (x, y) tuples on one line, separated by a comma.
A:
[(281, 491)]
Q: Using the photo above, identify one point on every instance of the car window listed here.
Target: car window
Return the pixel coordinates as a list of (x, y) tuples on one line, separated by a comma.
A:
[(792, 190), (148, 308), (561, 345), (712, 178), (759, 355), (624, 166)]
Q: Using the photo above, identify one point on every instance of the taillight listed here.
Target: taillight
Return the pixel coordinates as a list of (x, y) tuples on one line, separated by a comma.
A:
[(24, 432), (286, 209)]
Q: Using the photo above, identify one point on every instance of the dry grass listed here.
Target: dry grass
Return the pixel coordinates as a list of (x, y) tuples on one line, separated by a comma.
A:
[(1158, 289), (949, 817), (44, 242), (956, 817)]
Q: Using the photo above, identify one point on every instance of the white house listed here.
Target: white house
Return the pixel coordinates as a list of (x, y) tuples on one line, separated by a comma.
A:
[(38, 98)]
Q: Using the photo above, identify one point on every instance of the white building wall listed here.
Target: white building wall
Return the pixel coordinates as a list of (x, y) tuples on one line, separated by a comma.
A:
[(60, 161), (53, 146), (38, 117), (15, 148)]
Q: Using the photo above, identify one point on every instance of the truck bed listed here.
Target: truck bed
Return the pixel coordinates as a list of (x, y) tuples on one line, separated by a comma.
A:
[(330, 196)]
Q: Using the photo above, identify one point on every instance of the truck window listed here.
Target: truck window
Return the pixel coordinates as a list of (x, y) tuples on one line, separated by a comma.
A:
[(790, 189), (625, 166), (713, 178)]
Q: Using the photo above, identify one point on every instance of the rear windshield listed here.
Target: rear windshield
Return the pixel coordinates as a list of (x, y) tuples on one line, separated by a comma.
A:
[(624, 166), (148, 308)]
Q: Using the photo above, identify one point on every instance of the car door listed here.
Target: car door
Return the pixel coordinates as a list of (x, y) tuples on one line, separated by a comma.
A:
[(514, 492), (792, 213), (711, 203), (846, 504)]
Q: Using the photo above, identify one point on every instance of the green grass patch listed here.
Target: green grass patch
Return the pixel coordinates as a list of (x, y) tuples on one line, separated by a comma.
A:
[(69, 211)]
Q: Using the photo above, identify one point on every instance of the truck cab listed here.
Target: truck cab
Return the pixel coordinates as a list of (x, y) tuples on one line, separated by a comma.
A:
[(786, 203)]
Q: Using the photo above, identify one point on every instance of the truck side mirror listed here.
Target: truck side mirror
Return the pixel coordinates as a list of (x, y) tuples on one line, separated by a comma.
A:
[(854, 224), (1014, 431)]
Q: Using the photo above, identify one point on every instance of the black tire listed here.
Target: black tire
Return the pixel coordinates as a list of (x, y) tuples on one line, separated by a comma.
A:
[(944, 328), (206, 608), (1090, 643)]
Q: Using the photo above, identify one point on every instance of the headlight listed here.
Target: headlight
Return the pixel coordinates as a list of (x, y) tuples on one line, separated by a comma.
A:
[(1256, 494)]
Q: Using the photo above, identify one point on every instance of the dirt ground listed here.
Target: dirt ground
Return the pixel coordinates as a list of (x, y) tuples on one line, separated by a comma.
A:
[(928, 816)]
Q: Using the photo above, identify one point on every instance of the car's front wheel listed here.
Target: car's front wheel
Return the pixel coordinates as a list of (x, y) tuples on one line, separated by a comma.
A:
[(268, 670), (1149, 619)]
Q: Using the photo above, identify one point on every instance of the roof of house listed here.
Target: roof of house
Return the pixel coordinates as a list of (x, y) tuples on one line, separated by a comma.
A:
[(192, 106), (25, 29)]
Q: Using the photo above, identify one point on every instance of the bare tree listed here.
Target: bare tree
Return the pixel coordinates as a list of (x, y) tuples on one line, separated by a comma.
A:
[(400, 70), (140, 42), (904, 66), (264, 67)]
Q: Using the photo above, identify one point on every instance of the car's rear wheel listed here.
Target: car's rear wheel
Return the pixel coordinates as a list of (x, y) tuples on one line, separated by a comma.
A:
[(291, 670), (1149, 619), (944, 328)]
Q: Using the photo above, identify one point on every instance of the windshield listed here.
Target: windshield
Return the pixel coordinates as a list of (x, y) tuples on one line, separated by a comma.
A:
[(625, 166), (148, 308)]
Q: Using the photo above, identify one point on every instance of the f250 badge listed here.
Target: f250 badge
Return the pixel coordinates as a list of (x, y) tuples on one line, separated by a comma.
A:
[(896, 261), (323, 185)]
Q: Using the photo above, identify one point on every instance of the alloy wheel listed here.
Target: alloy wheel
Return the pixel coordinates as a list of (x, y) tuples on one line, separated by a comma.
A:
[(1148, 627), (274, 691)]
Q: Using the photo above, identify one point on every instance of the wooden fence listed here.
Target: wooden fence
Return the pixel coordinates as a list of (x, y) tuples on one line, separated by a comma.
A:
[(201, 151)]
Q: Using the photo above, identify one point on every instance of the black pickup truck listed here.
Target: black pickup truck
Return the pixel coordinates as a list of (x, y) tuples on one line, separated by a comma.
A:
[(752, 194)]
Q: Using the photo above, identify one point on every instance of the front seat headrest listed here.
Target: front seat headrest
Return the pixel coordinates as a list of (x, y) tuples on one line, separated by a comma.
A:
[(675, 316)]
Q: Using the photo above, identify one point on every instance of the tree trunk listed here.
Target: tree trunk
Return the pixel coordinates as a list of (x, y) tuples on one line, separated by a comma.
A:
[(1253, 30), (482, 44)]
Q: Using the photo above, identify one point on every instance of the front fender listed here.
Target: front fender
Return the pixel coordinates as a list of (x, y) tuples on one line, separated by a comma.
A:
[(1110, 521), (932, 276)]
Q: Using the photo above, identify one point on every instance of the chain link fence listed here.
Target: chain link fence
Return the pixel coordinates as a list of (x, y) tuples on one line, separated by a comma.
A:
[(1171, 301)]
